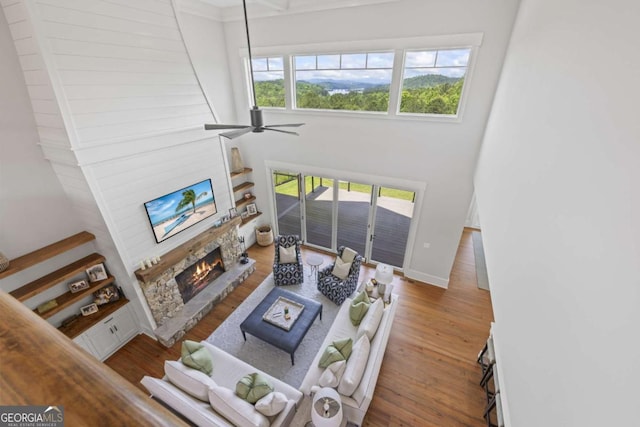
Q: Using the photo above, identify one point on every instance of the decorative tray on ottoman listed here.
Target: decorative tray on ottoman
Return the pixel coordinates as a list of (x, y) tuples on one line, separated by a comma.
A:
[(275, 314)]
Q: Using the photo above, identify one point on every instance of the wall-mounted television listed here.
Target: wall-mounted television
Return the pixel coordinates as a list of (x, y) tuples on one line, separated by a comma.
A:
[(177, 211)]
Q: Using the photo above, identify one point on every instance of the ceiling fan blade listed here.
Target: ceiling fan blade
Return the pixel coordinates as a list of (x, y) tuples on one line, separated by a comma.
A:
[(283, 131), (293, 125), (237, 133), (219, 127)]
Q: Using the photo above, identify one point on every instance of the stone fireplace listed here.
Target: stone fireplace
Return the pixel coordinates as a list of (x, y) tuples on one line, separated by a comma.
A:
[(190, 279)]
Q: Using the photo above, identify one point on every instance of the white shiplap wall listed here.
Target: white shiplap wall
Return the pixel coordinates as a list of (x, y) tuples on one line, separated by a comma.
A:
[(120, 113)]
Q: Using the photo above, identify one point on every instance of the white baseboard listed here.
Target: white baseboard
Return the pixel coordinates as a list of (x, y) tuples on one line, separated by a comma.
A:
[(427, 278)]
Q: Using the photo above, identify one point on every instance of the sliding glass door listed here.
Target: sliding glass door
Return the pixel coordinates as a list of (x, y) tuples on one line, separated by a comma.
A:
[(287, 201), (354, 207), (328, 213), (318, 202), (393, 213)]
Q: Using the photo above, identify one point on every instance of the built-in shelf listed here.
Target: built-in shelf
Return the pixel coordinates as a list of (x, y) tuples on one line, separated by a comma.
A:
[(32, 258), (83, 323), (244, 201), (244, 186), (243, 172), (250, 218), (40, 285), (67, 299)]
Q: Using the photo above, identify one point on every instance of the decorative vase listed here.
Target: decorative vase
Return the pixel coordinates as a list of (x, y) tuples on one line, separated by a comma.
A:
[(4, 262), (236, 160)]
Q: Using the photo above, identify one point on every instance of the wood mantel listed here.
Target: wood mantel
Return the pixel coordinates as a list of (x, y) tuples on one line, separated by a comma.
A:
[(181, 252)]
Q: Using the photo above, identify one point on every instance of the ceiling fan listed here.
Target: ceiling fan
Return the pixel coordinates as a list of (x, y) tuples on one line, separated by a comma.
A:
[(257, 123)]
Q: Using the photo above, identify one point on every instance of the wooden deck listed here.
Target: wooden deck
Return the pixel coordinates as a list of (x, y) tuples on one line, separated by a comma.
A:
[(391, 230), (429, 376)]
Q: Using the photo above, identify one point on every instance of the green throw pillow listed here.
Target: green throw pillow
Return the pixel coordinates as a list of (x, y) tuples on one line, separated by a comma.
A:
[(253, 387), (196, 356), (359, 307), (336, 351)]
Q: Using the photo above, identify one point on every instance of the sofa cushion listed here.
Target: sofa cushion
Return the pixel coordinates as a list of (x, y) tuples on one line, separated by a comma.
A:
[(332, 374), (359, 307), (341, 268), (189, 380), (371, 320), (253, 387), (196, 356), (272, 404), (287, 255), (337, 350), (355, 367), (238, 411)]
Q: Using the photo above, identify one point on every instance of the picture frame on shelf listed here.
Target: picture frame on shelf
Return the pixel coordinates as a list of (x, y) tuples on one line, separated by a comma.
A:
[(78, 286), (96, 273), (89, 309), (233, 212), (252, 209), (107, 294), (244, 215)]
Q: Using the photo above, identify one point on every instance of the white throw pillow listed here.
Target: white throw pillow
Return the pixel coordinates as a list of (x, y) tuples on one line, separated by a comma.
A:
[(341, 268), (237, 410), (272, 404), (287, 255), (348, 255), (371, 321), (356, 365), (192, 381), (332, 374)]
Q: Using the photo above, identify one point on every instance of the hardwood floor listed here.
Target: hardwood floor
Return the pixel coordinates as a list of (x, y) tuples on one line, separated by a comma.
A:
[(429, 376)]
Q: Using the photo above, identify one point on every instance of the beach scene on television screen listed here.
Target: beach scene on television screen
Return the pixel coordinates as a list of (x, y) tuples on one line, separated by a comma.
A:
[(174, 212)]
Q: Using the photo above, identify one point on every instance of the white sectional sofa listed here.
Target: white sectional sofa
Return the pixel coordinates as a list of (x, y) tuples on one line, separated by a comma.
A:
[(227, 370), (355, 405)]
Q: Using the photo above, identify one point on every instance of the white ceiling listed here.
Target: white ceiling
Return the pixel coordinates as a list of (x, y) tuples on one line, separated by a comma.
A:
[(232, 9)]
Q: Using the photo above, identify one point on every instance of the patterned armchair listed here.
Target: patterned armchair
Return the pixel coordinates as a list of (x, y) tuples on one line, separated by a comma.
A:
[(334, 288), (289, 273)]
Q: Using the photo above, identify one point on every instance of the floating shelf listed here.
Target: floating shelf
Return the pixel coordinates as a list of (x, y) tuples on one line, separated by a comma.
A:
[(240, 203), (40, 285), (67, 299), (237, 174), (243, 186), (250, 218), (32, 258)]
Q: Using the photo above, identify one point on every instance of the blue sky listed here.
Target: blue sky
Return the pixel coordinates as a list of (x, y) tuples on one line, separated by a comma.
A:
[(164, 207), (369, 67)]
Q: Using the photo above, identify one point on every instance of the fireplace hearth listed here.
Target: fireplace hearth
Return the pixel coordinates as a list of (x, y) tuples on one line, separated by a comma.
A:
[(195, 278)]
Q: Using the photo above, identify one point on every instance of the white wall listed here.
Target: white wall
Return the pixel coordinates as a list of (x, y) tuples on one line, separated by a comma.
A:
[(34, 209), (557, 193), (442, 155)]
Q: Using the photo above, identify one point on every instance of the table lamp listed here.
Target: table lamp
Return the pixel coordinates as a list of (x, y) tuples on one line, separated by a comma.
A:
[(384, 276), (326, 409)]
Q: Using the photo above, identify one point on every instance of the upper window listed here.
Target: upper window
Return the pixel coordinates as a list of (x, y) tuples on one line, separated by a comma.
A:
[(354, 81), (268, 77), (432, 81)]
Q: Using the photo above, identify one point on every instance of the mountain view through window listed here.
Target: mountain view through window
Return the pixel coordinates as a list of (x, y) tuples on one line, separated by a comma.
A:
[(432, 81)]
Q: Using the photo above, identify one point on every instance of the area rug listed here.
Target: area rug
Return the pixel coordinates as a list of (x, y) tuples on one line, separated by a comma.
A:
[(481, 266), (264, 356)]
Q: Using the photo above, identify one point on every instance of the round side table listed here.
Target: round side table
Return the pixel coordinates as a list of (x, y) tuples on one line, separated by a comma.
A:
[(314, 261), (326, 408)]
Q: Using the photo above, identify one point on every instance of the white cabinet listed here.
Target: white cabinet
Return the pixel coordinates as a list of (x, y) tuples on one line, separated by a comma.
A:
[(248, 231), (108, 335)]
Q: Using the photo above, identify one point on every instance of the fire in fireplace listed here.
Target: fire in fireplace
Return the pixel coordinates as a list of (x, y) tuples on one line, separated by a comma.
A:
[(196, 277)]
